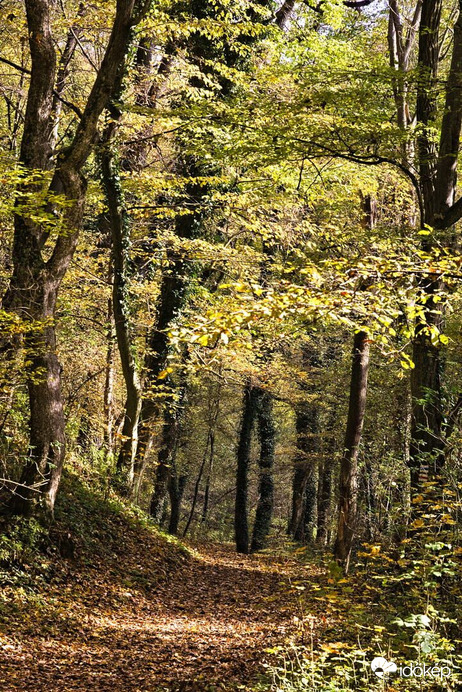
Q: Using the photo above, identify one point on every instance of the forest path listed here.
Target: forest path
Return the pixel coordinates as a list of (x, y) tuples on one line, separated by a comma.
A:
[(204, 625)]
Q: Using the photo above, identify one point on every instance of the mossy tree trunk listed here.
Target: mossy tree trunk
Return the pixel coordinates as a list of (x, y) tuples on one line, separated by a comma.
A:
[(266, 435), (241, 521)]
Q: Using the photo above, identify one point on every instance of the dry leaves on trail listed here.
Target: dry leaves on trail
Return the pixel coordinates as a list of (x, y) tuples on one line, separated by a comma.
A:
[(118, 626)]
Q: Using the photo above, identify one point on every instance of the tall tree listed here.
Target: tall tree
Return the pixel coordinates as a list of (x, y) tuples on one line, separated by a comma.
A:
[(307, 425), (438, 180), (40, 262), (266, 434), (347, 506), (241, 521)]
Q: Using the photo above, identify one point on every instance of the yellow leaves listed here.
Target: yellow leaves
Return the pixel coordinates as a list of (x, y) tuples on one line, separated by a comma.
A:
[(406, 362), (417, 524), (165, 373), (334, 647), (447, 519)]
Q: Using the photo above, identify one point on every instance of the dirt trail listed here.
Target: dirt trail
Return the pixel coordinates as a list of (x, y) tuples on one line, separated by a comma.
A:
[(204, 625)]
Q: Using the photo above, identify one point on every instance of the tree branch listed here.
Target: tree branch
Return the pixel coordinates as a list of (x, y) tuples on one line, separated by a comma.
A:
[(24, 70), (374, 160)]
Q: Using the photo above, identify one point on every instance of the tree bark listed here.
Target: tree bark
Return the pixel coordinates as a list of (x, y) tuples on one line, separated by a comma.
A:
[(304, 486), (176, 488), (347, 508), (324, 501), (109, 383), (35, 282), (266, 434), (241, 522), (120, 235), (438, 177)]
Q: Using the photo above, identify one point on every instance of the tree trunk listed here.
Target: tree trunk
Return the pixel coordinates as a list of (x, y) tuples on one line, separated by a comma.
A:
[(438, 180), (109, 384), (164, 466), (120, 235), (304, 491), (426, 451), (172, 297), (197, 485), (347, 507), (266, 434), (241, 523), (324, 501), (311, 505), (205, 507), (304, 486), (370, 497), (35, 282), (166, 458), (176, 489)]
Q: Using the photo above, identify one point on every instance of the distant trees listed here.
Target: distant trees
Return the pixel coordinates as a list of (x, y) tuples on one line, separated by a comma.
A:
[(257, 408)]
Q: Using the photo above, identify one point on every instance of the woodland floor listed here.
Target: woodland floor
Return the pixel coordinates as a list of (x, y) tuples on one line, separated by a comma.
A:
[(148, 616)]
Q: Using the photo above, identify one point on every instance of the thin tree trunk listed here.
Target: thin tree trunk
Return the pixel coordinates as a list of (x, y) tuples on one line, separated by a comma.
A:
[(304, 486), (109, 383), (241, 523), (347, 508), (324, 501), (62, 74), (205, 507), (371, 503), (197, 485), (166, 468), (120, 234)]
